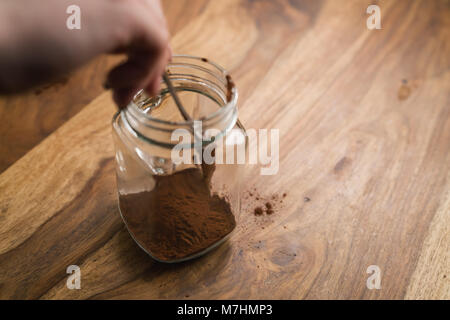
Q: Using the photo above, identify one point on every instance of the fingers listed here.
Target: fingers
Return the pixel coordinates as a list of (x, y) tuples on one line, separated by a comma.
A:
[(127, 74), (139, 71), (123, 96), (154, 85), (148, 53), (125, 80)]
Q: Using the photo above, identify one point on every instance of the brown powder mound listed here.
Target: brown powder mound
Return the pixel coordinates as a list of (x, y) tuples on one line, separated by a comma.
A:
[(179, 217)]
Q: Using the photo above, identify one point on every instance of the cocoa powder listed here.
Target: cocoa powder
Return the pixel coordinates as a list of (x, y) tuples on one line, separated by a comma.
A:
[(230, 87), (264, 204), (258, 211), (179, 217)]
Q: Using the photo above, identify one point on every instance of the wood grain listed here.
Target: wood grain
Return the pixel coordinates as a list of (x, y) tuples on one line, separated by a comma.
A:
[(364, 119), (429, 280)]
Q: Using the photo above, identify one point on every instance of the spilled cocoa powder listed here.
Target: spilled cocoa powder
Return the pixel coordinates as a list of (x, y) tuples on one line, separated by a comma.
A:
[(269, 208), (264, 204), (230, 87), (179, 217), (258, 211)]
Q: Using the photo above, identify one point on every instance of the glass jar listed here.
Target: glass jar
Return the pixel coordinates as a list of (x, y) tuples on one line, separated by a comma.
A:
[(178, 208)]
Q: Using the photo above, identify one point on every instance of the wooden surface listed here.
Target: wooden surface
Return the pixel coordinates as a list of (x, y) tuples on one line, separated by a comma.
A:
[(364, 119)]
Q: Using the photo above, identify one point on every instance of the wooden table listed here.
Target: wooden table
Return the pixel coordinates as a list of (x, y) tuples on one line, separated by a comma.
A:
[(364, 119)]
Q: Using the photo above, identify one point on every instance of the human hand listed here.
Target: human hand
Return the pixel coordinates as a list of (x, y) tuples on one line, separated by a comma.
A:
[(36, 45)]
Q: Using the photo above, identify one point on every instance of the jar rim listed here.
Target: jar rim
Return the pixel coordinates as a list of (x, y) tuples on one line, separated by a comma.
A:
[(230, 103)]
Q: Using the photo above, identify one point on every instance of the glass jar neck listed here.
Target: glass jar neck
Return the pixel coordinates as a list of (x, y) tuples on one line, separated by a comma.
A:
[(209, 94)]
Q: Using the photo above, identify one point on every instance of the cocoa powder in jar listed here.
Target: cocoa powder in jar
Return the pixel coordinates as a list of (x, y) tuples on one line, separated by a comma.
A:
[(179, 217)]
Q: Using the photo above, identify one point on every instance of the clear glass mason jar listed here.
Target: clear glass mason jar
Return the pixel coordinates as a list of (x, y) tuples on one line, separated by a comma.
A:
[(178, 211)]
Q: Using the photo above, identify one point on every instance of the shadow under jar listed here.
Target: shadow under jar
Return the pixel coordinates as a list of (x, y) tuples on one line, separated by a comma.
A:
[(178, 211)]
